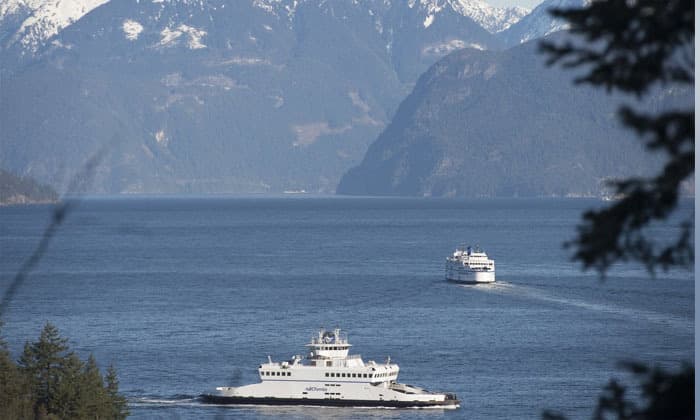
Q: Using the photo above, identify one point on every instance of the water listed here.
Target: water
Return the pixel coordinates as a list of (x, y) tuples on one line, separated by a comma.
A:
[(184, 295)]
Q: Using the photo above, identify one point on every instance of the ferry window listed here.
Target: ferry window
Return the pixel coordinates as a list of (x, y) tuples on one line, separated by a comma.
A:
[(327, 374), (289, 373), (277, 373), (353, 375), (332, 375), (343, 375), (364, 375)]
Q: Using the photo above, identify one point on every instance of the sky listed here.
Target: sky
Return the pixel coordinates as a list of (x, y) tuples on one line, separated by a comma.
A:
[(529, 4)]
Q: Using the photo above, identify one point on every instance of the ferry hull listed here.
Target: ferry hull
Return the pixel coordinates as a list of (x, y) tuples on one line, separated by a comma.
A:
[(470, 277), (335, 402)]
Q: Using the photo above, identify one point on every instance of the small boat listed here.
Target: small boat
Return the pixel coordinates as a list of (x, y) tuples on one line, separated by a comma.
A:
[(470, 266), (329, 376)]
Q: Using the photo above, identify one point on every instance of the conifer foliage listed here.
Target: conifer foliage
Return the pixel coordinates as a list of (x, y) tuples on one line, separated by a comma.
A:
[(51, 382), (635, 46)]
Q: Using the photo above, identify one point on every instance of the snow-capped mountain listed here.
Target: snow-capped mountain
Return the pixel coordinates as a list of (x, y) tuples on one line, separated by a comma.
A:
[(539, 23), (30, 23), (205, 95), (493, 19)]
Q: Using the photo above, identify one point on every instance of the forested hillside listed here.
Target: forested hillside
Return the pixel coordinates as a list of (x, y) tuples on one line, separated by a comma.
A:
[(488, 123), (23, 190)]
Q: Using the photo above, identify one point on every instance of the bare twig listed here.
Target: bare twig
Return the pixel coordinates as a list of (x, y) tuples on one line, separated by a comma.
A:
[(78, 184)]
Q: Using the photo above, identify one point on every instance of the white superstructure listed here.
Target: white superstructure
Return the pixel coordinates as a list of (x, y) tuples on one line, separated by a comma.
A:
[(330, 376), (470, 265)]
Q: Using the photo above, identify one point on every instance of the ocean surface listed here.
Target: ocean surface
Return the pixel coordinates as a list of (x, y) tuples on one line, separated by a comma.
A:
[(184, 295)]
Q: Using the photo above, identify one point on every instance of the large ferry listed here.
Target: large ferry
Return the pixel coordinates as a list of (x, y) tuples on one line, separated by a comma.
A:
[(470, 265), (329, 376)]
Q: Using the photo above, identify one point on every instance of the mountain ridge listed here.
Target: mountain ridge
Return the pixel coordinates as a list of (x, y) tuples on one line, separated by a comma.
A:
[(196, 96), (490, 124)]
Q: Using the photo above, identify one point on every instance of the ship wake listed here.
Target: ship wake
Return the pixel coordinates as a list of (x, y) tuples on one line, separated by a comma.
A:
[(666, 320)]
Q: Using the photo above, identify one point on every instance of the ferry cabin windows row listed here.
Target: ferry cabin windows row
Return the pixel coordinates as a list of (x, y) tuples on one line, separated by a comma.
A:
[(265, 373), (335, 375), (333, 348), (358, 375)]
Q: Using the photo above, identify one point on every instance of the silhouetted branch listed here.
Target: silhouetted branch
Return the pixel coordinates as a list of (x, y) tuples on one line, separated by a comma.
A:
[(78, 183), (664, 396), (630, 45)]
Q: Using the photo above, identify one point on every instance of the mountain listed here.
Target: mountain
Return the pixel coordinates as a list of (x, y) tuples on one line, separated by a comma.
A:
[(23, 190), (493, 19), (538, 23), (209, 96), (26, 26), (489, 123)]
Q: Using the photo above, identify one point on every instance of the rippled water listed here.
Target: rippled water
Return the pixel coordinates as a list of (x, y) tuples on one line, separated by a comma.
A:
[(184, 295)]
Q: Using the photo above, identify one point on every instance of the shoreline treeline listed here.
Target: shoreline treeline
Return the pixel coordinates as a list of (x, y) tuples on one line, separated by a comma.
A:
[(49, 381)]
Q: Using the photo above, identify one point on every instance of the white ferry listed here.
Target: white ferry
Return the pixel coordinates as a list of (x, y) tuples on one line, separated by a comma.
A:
[(470, 266), (328, 376)]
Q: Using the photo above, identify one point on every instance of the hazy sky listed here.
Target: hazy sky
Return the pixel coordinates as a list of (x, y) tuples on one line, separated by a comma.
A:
[(530, 4)]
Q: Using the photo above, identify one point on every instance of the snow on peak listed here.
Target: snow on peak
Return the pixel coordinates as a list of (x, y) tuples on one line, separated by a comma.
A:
[(43, 19), (278, 7), (540, 23), (440, 49), (170, 37), (493, 19), (131, 29)]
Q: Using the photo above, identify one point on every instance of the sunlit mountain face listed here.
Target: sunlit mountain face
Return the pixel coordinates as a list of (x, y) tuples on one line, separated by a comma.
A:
[(202, 96)]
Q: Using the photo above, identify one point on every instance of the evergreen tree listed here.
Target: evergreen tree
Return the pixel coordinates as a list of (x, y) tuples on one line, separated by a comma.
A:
[(15, 397), (67, 402), (42, 363), (119, 409), (58, 385), (634, 46), (94, 401)]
